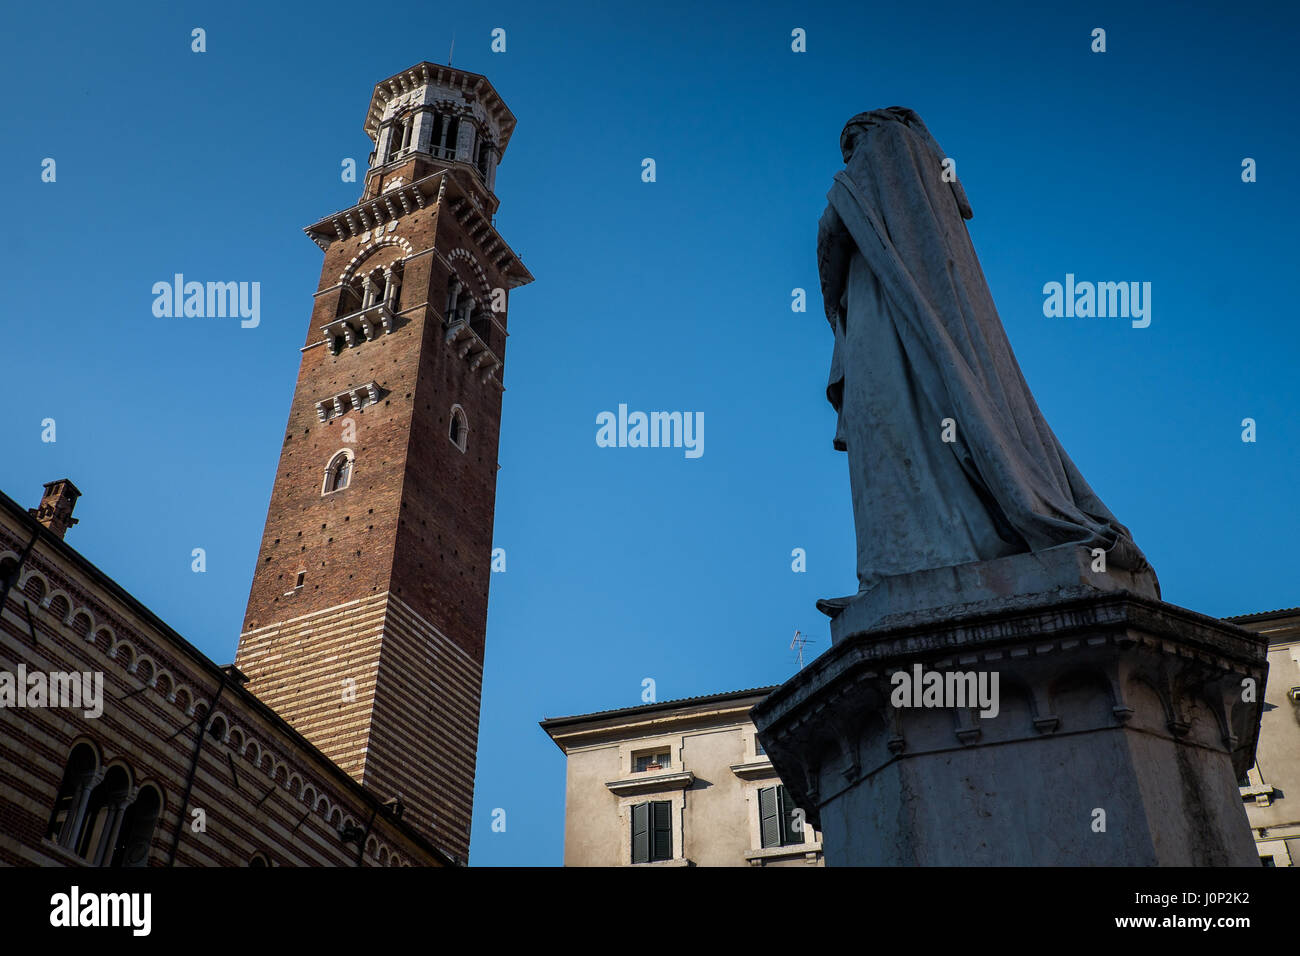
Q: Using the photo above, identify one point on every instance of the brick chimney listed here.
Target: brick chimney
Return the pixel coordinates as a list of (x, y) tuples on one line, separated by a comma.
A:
[(56, 507)]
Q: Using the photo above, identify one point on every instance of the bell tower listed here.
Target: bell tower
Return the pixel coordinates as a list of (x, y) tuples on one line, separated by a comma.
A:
[(367, 613)]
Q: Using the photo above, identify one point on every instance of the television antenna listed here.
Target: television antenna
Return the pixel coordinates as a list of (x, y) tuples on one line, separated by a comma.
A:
[(797, 645)]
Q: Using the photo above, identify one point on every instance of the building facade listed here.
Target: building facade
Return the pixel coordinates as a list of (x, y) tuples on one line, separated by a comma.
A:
[(1275, 819), (678, 783), (122, 745), (346, 732)]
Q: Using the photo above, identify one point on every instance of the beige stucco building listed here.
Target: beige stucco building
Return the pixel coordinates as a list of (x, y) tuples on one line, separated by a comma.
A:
[(685, 782), (1275, 819), (677, 783)]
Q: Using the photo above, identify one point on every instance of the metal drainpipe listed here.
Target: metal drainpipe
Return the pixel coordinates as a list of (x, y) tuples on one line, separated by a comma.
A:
[(194, 766)]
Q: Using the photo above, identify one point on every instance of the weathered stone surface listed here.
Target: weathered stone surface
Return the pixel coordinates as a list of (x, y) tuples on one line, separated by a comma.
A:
[(1109, 701), (903, 599), (950, 459)]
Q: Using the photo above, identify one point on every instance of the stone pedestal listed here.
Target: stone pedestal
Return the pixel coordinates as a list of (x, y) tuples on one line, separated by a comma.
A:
[(1122, 726)]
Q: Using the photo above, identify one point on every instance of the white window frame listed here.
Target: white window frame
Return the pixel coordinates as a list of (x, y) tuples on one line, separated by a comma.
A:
[(464, 428), (625, 804), (332, 467)]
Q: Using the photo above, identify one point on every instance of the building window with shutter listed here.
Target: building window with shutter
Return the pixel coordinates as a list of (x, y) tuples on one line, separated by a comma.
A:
[(652, 831), (776, 818)]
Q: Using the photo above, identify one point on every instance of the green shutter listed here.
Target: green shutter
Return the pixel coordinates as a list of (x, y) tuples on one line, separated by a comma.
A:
[(663, 830), (768, 818), (789, 834), (641, 833)]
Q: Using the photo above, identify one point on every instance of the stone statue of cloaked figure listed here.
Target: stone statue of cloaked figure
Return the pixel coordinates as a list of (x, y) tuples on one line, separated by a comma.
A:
[(918, 341)]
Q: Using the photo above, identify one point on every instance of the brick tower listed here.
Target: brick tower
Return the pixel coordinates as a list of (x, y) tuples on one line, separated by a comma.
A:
[(368, 609)]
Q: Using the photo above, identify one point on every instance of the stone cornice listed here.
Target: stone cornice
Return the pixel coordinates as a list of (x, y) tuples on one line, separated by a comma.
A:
[(617, 726), (424, 73), (757, 770), (1193, 663), (651, 783), (383, 212), (1046, 620)]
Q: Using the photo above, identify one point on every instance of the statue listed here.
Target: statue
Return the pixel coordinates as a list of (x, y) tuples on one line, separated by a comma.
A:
[(950, 459)]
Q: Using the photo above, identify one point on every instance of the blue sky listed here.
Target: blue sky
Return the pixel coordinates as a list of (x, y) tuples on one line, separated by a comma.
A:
[(674, 295)]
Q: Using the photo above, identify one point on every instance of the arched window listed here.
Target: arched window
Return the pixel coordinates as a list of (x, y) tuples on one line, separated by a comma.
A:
[(78, 778), (481, 325), (338, 474), (372, 284), (342, 474), (399, 136), (259, 859), (435, 139), (458, 431), (350, 297), (453, 296), (103, 816), (453, 136), (131, 848), (466, 309), (392, 277)]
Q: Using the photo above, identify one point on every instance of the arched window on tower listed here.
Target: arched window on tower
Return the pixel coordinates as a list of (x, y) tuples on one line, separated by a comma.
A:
[(442, 144), (435, 140), (467, 308), (372, 285), (481, 323), (393, 286), (391, 149), (350, 297), (338, 473), (453, 132), (458, 431), (453, 299), (399, 137)]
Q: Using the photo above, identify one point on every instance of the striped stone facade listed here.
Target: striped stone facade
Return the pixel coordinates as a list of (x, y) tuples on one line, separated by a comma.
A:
[(346, 732), (380, 691), (237, 784)]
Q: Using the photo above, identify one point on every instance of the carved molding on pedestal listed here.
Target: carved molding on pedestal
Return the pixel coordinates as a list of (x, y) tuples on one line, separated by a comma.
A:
[(1066, 664)]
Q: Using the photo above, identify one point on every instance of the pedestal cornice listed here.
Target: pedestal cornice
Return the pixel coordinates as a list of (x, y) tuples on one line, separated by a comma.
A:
[(1147, 667)]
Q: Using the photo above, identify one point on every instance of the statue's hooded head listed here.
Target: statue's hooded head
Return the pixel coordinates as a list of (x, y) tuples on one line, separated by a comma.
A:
[(854, 129)]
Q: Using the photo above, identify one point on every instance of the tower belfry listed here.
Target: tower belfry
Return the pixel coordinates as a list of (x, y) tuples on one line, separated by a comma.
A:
[(367, 614)]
